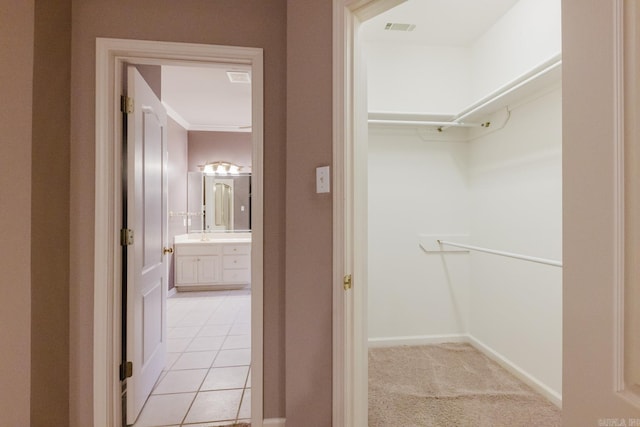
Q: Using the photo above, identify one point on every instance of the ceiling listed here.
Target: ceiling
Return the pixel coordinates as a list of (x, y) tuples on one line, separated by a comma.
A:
[(438, 22), (203, 98)]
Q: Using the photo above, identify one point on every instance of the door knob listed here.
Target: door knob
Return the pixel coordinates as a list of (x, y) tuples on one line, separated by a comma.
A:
[(167, 251)]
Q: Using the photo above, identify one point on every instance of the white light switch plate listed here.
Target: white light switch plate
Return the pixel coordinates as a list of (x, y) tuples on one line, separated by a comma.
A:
[(322, 179)]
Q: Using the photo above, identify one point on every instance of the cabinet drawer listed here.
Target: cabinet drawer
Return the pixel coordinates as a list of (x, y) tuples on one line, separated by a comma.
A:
[(235, 261), (191, 249), (243, 276), (236, 249)]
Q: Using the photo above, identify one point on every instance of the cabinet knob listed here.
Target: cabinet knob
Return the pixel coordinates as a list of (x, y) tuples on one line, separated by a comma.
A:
[(167, 251)]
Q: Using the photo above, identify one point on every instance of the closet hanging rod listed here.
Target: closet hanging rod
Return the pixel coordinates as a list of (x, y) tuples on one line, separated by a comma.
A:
[(427, 123), (502, 253)]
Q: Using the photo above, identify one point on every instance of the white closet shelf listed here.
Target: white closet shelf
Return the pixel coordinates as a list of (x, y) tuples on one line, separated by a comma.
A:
[(543, 76), (394, 115)]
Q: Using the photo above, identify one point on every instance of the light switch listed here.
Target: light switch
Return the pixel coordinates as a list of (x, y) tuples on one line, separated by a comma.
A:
[(322, 180)]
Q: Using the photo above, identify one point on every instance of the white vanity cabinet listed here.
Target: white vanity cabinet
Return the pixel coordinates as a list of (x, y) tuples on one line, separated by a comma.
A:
[(197, 264), (212, 264)]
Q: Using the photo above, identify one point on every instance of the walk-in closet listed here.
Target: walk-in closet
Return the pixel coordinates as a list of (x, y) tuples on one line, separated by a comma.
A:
[(464, 212)]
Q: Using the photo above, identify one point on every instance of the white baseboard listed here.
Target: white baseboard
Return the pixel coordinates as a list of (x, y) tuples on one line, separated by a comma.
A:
[(172, 292), (416, 340), (551, 395), (273, 422)]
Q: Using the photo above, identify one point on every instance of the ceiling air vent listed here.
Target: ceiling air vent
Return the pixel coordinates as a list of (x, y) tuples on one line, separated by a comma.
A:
[(394, 26), (239, 76)]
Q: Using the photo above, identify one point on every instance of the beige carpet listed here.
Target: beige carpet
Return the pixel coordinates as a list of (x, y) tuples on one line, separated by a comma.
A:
[(450, 385)]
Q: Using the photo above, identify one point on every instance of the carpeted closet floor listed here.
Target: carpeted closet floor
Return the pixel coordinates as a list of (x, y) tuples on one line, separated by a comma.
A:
[(450, 385)]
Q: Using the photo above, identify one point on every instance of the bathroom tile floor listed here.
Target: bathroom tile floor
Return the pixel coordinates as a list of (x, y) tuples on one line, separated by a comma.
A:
[(207, 379)]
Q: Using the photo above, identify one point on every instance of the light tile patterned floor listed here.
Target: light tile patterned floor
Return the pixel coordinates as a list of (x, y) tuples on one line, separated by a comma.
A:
[(207, 378)]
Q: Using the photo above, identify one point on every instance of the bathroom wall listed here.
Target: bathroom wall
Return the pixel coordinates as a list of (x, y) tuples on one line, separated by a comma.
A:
[(415, 186), (515, 177), (177, 175), (234, 147), (152, 74)]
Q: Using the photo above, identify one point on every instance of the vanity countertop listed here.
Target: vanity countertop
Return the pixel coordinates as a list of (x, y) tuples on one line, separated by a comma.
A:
[(200, 238)]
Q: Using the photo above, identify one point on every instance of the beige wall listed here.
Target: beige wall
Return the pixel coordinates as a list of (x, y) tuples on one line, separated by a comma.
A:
[(303, 138), (50, 219), (16, 66), (253, 23), (152, 74), (309, 226)]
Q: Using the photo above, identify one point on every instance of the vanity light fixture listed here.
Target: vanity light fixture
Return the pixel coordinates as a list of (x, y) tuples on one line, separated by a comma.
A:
[(220, 168)]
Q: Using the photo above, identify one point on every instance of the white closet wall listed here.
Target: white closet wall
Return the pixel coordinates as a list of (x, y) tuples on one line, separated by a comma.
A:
[(416, 78), (415, 185), (526, 36), (515, 177)]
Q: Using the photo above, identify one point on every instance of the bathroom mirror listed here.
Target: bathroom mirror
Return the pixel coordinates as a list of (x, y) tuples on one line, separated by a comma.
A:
[(222, 202)]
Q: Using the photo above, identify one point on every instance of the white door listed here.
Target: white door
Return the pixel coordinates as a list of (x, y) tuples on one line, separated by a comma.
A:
[(146, 262)]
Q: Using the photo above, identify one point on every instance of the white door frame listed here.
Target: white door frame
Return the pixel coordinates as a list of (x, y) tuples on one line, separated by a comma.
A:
[(350, 366), (594, 275), (111, 54), (349, 237)]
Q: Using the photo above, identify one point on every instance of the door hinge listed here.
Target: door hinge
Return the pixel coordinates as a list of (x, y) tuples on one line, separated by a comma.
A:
[(126, 370), (347, 282), (126, 104), (126, 237)]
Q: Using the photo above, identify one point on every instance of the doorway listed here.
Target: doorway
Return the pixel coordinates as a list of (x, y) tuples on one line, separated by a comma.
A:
[(588, 271), (445, 131), (457, 153), (111, 56)]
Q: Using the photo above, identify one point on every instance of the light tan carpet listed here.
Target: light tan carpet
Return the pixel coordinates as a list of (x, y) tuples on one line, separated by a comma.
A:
[(450, 385)]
